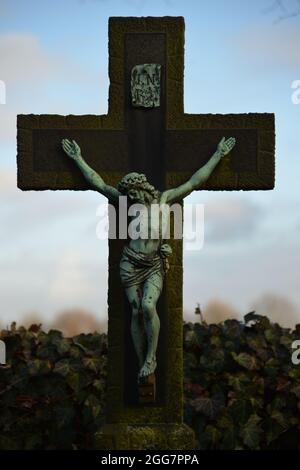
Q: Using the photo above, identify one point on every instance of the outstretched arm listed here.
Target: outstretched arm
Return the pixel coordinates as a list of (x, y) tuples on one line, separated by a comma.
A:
[(72, 149), (198, 178)]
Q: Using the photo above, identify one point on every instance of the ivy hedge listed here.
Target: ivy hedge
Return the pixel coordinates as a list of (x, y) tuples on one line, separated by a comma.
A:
[(242, 390)]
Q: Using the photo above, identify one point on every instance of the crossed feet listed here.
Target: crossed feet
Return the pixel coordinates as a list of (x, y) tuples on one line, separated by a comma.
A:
[(148, 367)]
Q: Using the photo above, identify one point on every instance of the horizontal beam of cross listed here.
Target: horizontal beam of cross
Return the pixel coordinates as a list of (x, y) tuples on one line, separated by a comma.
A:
[(42, 163)]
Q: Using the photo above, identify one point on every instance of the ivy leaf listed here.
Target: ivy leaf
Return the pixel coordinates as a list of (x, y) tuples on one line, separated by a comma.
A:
[(251, 433), (271, 336), (35, 328), (73, 380), (99, 385), (38, 366), (279, 417), (63, 346), (286, 341), (296, 391), (229, 439), (273, 430), (208, 406), (246, 360), (252, 316), (241, 410), (214, 435), (92, 363), (94, 405), (232, 328), (62, 367), (64, 416)]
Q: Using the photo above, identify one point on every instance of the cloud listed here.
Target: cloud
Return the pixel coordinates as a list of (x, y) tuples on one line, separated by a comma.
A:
[(32, 218), (52, 275), (220, 221), (231, 220), (269, 46), (24, 60), (71, 281), (239, 276), (277, 308), (8, 181), (50, 257), (217, 311), (76, 321), (8, 124), (281, 309), (32, 74)]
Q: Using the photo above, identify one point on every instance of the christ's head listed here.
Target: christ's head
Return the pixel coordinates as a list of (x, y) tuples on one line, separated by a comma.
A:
[(137, 188)]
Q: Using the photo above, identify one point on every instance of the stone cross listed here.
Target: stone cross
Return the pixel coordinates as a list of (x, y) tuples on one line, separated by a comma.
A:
[(168, 146)]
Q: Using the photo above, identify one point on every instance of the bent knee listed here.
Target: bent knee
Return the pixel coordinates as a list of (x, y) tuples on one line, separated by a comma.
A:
[(135, 307), (148, 307), (135, 310)]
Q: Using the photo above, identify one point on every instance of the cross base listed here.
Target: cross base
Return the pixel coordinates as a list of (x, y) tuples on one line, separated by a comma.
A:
[(147, 437), (147, 389)]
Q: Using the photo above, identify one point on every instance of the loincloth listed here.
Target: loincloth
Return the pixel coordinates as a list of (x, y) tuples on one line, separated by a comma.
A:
[(140, 268)]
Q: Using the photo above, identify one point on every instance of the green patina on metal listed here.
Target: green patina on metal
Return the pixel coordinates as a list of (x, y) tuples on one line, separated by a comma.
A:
[(142, 268), (145, 85)]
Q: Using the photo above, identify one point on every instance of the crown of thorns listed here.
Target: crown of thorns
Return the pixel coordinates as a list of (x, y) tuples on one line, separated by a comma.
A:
[(133, 181)]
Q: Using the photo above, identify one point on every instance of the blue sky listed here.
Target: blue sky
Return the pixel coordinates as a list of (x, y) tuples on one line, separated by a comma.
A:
[(238, 58)]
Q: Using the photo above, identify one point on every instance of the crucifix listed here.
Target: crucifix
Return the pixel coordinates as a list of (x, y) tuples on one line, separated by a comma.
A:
[(146, 132)]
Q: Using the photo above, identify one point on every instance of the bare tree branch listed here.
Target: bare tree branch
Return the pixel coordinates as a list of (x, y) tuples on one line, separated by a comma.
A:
[(283, 10)]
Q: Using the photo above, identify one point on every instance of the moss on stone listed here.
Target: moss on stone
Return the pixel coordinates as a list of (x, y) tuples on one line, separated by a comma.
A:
[(164, 437)]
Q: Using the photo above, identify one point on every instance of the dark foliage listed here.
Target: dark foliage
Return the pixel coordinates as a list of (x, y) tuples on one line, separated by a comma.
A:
[(52, 392), (241, 389)]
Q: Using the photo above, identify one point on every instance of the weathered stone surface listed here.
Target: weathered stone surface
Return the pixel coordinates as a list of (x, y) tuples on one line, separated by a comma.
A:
[(174, 337), (173, 287), (147, 390), (176, 257), (223, 178), (25, 143), (48, 154), (267, 141), (145, 85), (88, 121), (266, 164), (175, 382), (123, 437), (251, 180), (52, 121), (28, 121)]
